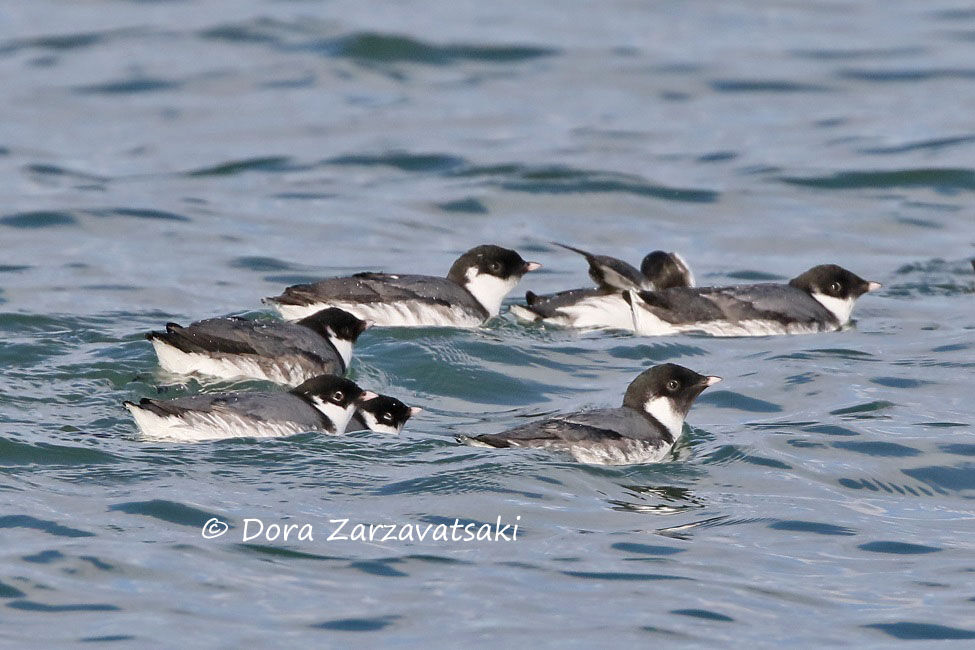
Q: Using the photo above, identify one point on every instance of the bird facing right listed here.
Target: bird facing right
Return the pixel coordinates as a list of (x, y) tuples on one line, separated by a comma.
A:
[(642, 430), (819, 300)]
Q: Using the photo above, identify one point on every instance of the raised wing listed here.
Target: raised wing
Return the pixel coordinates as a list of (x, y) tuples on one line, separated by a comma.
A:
[(610, 273)]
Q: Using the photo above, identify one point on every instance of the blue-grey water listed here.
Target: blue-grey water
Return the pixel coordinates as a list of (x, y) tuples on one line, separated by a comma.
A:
[(179, 160)]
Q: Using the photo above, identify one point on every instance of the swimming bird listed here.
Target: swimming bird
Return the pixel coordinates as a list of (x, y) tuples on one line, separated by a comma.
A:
[(383, 414), (286, 353), (470, 294), (819, 300), (642, 430), (325, 404), (604, 306)]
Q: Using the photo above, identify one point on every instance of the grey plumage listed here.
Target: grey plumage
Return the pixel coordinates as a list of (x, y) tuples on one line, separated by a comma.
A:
[(821, 299), (324, 403), (774, 302), (257, 406), (471, 292), (610, 273), (383, 288), (277, 351), (643, 429), (598, 425)]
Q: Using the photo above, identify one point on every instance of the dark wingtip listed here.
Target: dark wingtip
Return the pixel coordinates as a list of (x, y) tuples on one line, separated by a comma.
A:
[(531, 297), (573, 249)]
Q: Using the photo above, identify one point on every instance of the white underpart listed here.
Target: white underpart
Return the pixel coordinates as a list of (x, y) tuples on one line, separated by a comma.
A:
[(842, 308), (621, 452), (625, 452), (411, 313), (488, 289), (646, 323), (342, 346), (373, 424), (339, 415), (216, 425), (231, 366), (662, 409), (608, 311)]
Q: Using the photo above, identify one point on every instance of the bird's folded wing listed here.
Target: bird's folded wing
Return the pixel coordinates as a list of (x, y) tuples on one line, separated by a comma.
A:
[(372, 287)]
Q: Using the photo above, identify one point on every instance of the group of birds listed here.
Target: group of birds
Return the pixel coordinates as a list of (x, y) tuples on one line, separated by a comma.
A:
[(310, 350)]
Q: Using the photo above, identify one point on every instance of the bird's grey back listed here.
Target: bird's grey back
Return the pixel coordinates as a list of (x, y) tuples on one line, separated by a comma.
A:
[(593, 426), (271, 339), (777, 302), (382, 287), (265, 407)]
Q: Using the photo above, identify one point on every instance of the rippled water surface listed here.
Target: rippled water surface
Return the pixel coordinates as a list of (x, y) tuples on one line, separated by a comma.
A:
[(177, 160)]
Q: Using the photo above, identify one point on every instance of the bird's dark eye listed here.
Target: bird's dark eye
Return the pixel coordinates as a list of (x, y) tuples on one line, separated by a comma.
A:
[(338, 396), (673, 385), (494, 267), (835, 287)]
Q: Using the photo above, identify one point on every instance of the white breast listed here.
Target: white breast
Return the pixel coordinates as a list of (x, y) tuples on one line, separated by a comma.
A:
[(343, 347), (841, 308), (488, 289), (662, 409)]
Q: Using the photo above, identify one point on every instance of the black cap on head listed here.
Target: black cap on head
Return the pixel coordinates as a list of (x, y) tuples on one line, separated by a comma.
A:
[(665, 270), (678, 383), (342, 324), (388, 411), (833, 281), (330, 388), (493, 260)]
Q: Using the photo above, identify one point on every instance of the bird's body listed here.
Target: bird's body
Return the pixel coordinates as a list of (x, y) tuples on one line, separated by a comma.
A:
[(642, 430), (471, 293), (819, 300), (285, 353), (323, 404)]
